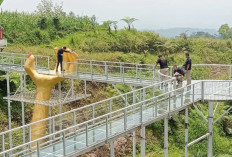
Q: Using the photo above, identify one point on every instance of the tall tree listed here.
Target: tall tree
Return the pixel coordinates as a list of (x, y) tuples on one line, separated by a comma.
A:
[(115, 26), (108, 24), (129, 21), (223, 30)]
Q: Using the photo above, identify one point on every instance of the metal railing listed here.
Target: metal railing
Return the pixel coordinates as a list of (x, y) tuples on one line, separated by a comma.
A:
[(209, 71), (16, 61), (115, 72), (149, 105), (147, 110)]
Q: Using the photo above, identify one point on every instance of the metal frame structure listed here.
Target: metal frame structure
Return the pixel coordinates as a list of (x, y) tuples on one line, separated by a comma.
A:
[(130, 111)]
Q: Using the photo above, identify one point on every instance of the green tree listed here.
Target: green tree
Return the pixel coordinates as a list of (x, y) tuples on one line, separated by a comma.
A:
[(129, 21), (115, 26), (108, 24), (94, 23), (223, 30)]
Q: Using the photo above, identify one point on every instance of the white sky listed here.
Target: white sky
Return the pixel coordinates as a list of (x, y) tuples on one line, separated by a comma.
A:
[(152, 14)]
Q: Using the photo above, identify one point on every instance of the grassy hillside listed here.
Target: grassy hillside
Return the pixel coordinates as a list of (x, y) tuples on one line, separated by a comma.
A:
[(94, 41)]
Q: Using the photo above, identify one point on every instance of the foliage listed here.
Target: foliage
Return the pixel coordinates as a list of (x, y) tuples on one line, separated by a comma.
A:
[(202, 35), (129, 21)]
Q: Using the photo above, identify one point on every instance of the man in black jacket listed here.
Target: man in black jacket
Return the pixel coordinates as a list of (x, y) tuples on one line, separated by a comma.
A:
[(60, 54), (163, 67), (188, 68)]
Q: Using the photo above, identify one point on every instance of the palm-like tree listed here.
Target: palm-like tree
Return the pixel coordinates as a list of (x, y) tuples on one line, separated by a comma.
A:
[(129, 21), (109, 24), (115, 26)]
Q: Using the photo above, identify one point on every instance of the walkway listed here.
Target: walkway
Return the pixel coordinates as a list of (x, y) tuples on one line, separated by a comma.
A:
[(117, 116)]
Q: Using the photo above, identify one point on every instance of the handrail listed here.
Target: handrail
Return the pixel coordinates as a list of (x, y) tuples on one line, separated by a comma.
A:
[(92, 120)]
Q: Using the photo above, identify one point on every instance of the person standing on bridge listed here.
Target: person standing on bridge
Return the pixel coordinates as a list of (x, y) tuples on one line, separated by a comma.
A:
[(188, 68), (163, 66), (60, 54), (179, 74)]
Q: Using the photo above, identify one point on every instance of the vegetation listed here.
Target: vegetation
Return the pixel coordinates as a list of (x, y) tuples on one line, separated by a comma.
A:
[(49, 26)]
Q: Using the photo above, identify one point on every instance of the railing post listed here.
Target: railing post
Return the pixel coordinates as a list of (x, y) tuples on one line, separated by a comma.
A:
[(136, 71), (77, 68), (72, 88), (202, 91), (74, 123), (106, 71), (87, 135), (91, 69), (169, 102), (171, 71), (193, 93), (29, 130), (121, 69), (166, 137), (85, 88), (64, 144), (210, 128), (111, 148), (3, 145), (142, 141), (125, 120), (186, 132), (53, 127), (123, 74), (182, 96), (9, 108), (48, 63), (230, 73), (22, 104), (107, 127), (93, 113), (38, 149)]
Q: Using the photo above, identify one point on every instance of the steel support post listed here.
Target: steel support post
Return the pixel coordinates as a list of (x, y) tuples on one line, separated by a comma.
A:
[(142, 140), (22, 104), (186, 132), (134, 144), (166, 137), (210, 129), (9, 107), (111, 148), (134, 133)]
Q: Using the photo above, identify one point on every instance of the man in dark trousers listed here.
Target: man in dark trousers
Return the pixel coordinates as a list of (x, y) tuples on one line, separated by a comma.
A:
[(60, 54), (188, 68), (179, 74)]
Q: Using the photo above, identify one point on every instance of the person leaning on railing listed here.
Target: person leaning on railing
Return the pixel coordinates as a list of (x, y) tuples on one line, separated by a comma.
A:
[(179, 74), (163, 66), (188, 68)]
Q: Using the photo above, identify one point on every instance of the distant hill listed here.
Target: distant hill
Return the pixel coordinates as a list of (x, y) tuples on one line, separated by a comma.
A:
[(173, 32)]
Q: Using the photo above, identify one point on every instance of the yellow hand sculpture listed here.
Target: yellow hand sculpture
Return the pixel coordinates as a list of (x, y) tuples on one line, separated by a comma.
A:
[(44, 84)]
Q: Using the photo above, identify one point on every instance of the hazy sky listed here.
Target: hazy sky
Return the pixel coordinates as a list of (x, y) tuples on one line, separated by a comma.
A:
[(152, 14)]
